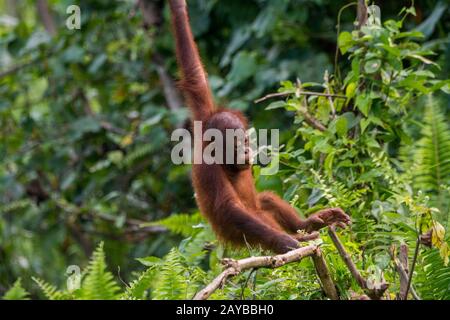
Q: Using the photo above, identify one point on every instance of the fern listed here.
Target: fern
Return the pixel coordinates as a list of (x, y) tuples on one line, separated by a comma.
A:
[(98, 283), (138, 153), (50, 291), (172, 280), (337, 194), (16, 292), (194, 247), (182, 224), (139, 287), (433, 157), (433, 277)]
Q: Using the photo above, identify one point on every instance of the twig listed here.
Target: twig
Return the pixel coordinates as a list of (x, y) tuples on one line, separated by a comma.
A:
[(171, 94), (404, 269), (309, 118), (346, 257), (305, 93), (152, 17), (322, 271), (413, 265), (373, 293), (338, 31), (46, 16), (327, 82), (234, 267), (362, 14), (403, 272), (313, 122), (246, 282)]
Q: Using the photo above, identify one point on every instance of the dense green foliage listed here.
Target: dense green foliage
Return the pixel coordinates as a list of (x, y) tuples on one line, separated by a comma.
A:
[(85, 176)]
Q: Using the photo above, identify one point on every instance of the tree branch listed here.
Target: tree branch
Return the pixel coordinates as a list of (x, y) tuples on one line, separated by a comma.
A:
[(46, 17), (401, 265), (305, 93), (152, 17), (322, 271), (347, 259), (313, 122), (234, 267), (373, 293), (413, 265), (362, 14)]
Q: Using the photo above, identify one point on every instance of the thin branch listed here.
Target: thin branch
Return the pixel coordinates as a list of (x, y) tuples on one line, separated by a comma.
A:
[(152, 17), (413, 265), (347, 259), (46, 16), (403, 266), (402, 269), (305, 93), (234, 267), (362, 14), (373, 293), (171, 94), (327, 82), (322, 271), (313, 122)]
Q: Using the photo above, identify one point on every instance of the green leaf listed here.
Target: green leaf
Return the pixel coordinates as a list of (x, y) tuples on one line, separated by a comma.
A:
[(363, 103), (16, 292), (341, 126), (423, 59), (345, 41), (149, 261), (276, 105), (372, 66), (363, 124), (350, 90), (328, 164)]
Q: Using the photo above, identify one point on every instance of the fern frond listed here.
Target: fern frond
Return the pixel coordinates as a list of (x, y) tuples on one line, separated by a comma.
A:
[(98, 283), (433, 158), (182, 224), (337, 193), (50, 291), (433, 277), (172, 279), (139, 152), (16, 292), (138, 288)]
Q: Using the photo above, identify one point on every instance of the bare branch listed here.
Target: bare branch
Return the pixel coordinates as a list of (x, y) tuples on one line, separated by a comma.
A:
[(46, 17), (327, 82), (373, 293), (322, 271), (401, 265), (305, 93), (362, 14), (152, 17), (313, 122), (173, 98), (413, 264), (234, 267), (347, 259)]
